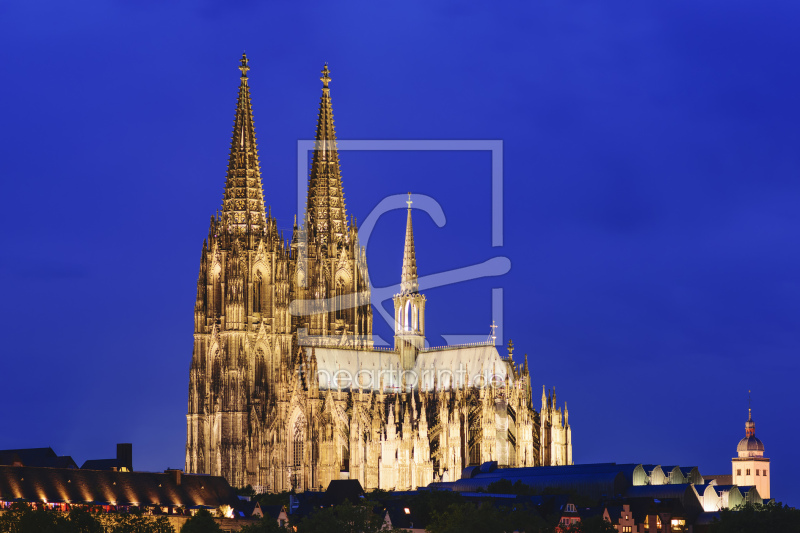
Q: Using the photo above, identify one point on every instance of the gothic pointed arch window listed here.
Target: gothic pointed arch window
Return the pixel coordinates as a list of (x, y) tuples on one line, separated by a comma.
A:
[(339, 311), (475, 454), (407, 316), (260, 373), (297, 449), (298, 438), (216, 375), (345, 459), (258, 285), (216, 290)]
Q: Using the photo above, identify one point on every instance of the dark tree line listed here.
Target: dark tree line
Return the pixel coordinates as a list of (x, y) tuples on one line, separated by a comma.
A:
[(22, 518), (770, 518)]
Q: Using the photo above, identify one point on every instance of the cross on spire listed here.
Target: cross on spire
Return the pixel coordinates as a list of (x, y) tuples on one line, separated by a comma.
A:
[(243, 67), (409, 202), (326, 76), (494, 330)]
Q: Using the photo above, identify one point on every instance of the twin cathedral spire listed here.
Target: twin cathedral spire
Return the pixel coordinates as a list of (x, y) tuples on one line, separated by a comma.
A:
[(243, 200), (326, 216)]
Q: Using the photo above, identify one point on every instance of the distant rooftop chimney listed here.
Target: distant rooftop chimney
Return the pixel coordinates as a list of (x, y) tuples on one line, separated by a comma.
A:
[(125, 456), (175, 474)]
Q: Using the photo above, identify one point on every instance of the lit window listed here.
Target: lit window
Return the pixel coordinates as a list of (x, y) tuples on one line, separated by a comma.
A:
[(748, 472), (407, 510)]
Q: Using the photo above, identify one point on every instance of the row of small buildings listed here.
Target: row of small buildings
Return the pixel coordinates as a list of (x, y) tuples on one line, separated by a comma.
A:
[(41, 478), (635, 498), (603, 481)]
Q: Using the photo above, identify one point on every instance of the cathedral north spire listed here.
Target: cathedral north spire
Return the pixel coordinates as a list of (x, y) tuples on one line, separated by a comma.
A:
[(408, 279), (325, 209), (243, 201)]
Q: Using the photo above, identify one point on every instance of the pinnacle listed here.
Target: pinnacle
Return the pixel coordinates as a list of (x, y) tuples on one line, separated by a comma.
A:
[(325, 205), (243, 200), (408, 278)]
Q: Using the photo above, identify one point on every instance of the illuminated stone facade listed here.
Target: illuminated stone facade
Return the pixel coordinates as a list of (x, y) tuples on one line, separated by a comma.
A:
[(286, 390), (556, 434)]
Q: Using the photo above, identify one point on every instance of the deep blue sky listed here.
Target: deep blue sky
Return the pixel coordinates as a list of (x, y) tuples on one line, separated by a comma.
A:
[(652, 202)]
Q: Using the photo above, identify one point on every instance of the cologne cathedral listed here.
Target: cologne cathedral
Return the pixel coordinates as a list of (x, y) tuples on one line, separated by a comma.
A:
[(287, 391)]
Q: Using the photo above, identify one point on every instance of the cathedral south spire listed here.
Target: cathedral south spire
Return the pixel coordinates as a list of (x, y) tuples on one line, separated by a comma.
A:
[(408, 281), (326, 213), (332, 300), (243, 200)]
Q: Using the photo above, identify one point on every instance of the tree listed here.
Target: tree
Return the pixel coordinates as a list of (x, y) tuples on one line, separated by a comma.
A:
[(248, 491), (757, 518), (278, 498), (265, 525), (21, 518), (527, 518), (344, 518), (485, 517), (469, 518), (84, 521), (427, 502), (593, 524), (201, 522), (136, 523)]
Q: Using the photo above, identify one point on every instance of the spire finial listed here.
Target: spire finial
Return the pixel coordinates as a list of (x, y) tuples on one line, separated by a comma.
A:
[(326, 76), (408, 278), (243, 66), (749, 406)]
